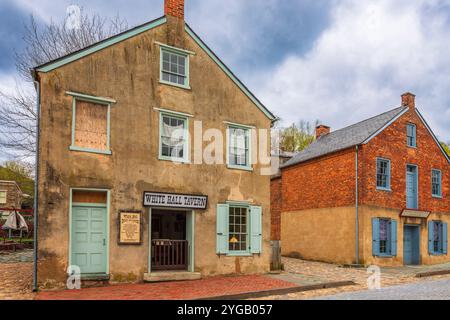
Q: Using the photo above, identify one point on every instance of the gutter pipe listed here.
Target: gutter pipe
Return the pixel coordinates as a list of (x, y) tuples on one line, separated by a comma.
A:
[(356, 208), (36, 185)]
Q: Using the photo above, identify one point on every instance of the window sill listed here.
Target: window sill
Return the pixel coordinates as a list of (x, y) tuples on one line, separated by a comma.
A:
[(79, 149), (231, 167), (174, 160), (237, 254), (437, 197), (384, 189), (175, 85), (385, 256), (438, 254)]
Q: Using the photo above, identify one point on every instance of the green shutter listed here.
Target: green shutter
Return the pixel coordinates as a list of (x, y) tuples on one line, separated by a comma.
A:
[(375, 236), (256, 229), (445, 238), (222, 228), (394, 238), (430, 237)]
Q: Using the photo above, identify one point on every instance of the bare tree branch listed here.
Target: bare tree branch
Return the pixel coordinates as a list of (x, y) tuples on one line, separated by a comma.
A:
[(44, 43)]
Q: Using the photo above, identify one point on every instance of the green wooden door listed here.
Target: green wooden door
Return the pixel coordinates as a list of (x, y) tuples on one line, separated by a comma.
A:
[(89, 239)]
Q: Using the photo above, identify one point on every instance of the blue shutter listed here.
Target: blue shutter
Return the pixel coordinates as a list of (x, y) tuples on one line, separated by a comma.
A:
[(222, 228), (431, 237), (445, 238), (394, 238), (256, 229), (375, 236)]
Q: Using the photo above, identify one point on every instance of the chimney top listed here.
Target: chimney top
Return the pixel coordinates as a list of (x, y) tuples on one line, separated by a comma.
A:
[(409, 100), (322, 130), (174, 8)]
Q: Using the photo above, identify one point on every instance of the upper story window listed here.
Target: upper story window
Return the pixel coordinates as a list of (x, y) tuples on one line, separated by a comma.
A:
[(90, 124), (383, 174), (238, 154), (2, 197), (174, 67), (437, 237), (174, 137), (411, 135), (436, 183)]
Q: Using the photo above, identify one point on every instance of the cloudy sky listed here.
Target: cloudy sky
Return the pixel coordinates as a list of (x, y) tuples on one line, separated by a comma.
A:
[(337, 61)]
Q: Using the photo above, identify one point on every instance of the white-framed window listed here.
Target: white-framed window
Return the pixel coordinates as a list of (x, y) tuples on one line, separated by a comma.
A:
[(437, 237), (436, 183), (239, 147), (174, 67), (384, 237), (383, 174), (173, 137), (3, 194)]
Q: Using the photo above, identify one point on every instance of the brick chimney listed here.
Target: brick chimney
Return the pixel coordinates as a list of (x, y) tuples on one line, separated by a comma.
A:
[(322, 130), (409, 100), (174, 8)]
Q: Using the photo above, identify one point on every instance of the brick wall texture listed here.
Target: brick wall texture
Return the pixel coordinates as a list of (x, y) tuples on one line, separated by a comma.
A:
[(174, 8), (329, 181)]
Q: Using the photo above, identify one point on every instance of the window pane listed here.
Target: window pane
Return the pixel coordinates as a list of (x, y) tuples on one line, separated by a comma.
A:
[(238, 147), (383, 174), (238, 229), (173, 137)]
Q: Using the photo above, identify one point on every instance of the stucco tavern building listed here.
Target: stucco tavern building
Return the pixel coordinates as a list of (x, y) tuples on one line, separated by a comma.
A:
[(120, 194)]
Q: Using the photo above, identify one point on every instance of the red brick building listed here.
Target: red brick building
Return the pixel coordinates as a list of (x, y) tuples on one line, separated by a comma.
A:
[(376, 192)]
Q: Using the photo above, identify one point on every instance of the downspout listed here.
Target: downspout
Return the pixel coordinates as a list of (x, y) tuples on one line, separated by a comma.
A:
[(36, 185), (356, 208)]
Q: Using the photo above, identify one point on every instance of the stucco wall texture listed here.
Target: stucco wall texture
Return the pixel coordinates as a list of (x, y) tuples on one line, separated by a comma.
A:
[(129, 73), (318, 197)]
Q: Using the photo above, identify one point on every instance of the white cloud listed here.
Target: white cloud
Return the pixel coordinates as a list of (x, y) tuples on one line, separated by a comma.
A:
[(372, 52)]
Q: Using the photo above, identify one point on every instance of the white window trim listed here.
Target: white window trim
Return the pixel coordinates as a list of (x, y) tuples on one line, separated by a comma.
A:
[(248, 129), (415, 135), (186, 151), (246, 252), (181, 52)]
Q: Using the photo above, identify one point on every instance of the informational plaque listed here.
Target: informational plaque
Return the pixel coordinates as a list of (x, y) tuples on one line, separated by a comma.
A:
[(171, 200), (130, 227)]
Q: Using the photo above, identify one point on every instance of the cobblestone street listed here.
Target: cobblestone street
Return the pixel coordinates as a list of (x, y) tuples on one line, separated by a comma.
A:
[(316, 272), (16, 275)]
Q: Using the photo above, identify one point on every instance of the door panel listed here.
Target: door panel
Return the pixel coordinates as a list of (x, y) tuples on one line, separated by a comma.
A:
[(411, 245), (89, 239)]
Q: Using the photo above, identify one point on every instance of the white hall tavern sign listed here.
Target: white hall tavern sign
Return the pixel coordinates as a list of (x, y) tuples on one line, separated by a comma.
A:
[(172, 200)]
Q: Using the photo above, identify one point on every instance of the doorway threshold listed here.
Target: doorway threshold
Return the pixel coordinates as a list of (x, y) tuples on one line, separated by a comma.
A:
[(165, 276)]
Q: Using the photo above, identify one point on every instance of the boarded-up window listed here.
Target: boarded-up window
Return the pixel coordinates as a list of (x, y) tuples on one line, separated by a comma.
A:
[(91, 126)]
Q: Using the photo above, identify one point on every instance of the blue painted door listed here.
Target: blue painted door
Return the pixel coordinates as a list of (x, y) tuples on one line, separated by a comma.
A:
[(89, 239), (411, 245), (411, 188)]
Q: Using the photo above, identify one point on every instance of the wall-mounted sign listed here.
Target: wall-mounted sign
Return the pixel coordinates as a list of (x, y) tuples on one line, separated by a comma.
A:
[(130, 227), (169, 200)]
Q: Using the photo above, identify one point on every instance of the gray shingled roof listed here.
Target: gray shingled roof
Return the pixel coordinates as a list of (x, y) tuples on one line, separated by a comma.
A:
[(344, 138)]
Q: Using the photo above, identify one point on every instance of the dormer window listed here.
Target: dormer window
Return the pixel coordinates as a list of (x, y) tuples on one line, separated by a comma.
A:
[(411, 135), (174, 67)]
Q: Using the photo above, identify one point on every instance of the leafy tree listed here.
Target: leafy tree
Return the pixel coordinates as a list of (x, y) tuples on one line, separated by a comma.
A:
[(43, 43), (297, 137), (446, 147), (22, 174)]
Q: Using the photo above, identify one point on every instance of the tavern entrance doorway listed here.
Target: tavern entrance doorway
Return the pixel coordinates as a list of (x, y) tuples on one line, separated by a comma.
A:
[(170, 240)]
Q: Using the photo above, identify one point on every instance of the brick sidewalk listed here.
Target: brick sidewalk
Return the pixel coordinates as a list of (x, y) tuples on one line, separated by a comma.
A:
[(182, 290)]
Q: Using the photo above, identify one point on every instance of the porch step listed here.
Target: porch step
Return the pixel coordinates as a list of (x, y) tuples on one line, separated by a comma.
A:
[(165, 276)]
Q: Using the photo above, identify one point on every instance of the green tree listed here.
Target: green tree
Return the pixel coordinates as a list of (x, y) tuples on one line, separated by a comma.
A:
[(21, 173), (446, 147), (298, 136)]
